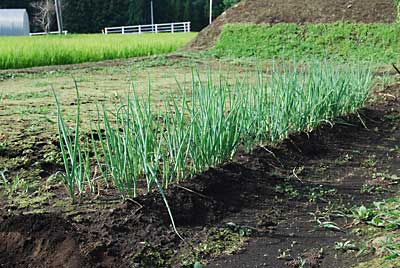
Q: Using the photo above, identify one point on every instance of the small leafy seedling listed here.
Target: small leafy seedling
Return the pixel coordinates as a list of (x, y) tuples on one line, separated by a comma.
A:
[(362, 214)]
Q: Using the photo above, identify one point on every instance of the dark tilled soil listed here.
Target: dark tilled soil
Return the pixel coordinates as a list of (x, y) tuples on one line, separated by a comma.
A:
[(296, 11), (271, 191), (39, 241), (365, 151)]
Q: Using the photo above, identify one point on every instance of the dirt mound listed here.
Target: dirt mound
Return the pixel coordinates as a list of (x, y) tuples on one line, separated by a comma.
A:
[(38, 241), (297, 11)]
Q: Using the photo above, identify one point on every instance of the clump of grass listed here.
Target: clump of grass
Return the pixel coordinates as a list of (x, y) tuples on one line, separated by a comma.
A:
[(22, 52), (14, 185)]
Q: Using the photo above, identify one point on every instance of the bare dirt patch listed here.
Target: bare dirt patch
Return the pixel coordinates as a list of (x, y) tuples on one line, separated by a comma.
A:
[(38, 241)]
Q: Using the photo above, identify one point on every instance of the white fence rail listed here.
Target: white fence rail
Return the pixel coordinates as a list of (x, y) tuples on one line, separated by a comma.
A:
[(174, 27), (44, 33)]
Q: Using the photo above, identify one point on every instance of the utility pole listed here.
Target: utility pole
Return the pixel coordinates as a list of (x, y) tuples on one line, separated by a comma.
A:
[(59, 16), (211, 3), (152, 15)]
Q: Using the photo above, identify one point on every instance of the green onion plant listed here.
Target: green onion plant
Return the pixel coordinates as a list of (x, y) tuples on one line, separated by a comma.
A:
[(203, 126), (75, 155)]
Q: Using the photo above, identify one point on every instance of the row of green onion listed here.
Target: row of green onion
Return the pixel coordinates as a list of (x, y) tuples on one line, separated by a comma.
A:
[(205, 124)]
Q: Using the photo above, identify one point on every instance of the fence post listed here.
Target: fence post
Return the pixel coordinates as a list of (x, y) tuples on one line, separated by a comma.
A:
[(123, 30), (140, 28), (188, 26), (156, 28), (172, 27)]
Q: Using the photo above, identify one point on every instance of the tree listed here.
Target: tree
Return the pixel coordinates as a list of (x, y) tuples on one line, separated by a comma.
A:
[(186, 10), (45, 10), (228, 3), (137, 12), (90, 16)]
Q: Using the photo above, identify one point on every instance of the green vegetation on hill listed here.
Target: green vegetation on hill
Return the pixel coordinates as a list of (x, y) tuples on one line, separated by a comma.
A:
[(342, 41), (397, 3)]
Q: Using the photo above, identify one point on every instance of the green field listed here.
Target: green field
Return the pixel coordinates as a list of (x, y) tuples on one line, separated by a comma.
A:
[(22, 52), (339, 41)]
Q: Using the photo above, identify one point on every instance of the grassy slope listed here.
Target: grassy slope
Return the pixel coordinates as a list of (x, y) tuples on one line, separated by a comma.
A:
[(342, 41), (21, 52)]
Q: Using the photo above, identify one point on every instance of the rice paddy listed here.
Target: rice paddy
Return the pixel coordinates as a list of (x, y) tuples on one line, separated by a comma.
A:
[(23, 52)]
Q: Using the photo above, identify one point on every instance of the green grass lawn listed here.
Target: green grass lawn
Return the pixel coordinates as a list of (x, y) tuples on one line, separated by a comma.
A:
[(21, 52)]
